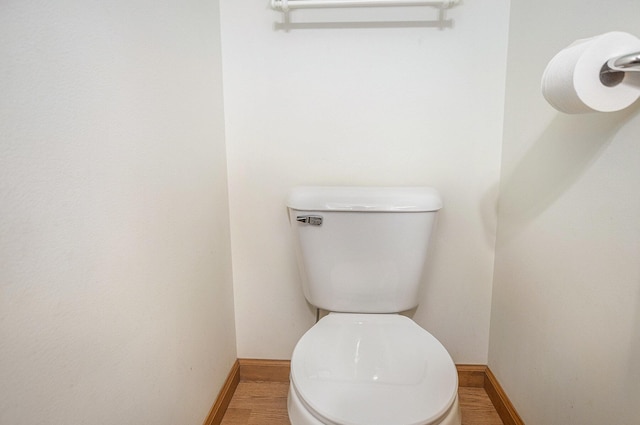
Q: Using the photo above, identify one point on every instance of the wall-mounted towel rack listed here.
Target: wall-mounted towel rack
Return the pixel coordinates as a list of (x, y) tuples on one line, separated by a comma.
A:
[(286, 5)]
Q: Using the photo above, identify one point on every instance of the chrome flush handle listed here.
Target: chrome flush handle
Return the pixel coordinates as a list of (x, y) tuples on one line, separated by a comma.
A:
[(314, 220)]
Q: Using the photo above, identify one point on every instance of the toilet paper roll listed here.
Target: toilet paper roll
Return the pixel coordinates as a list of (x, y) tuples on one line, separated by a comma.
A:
[(571, 82)]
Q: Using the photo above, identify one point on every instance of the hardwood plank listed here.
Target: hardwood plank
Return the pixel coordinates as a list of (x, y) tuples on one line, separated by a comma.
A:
[(259, 403), (260, 395), (477, 408), (236, 416), (269, 417)]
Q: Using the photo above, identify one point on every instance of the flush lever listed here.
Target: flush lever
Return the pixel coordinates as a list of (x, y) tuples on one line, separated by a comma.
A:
[(314, 220)]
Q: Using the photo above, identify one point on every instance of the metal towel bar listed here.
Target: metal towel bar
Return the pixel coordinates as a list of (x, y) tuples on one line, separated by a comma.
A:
[(286, 5)]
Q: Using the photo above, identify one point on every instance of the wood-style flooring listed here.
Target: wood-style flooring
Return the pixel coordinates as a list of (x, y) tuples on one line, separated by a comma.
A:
[(265, 403)]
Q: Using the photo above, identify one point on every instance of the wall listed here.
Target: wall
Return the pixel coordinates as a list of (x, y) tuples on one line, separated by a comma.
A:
[(115, 277), (565, 327), (329, 101)]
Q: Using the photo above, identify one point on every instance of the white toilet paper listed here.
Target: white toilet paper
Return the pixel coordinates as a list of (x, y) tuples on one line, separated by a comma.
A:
[(571, 81)]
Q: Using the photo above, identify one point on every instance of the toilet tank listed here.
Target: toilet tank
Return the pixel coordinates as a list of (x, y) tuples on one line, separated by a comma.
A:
[(362, 249)]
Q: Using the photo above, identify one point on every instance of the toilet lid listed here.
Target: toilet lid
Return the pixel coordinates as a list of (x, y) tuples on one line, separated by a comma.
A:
[(373, 369)]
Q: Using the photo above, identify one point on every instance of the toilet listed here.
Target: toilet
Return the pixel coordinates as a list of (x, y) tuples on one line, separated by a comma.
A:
[(361, 252)]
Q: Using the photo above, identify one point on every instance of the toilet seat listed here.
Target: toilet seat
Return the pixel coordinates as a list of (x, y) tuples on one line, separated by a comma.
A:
[(373, 369)]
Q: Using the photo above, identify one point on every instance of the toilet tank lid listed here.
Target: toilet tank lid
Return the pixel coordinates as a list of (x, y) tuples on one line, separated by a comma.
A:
[(351, 198)]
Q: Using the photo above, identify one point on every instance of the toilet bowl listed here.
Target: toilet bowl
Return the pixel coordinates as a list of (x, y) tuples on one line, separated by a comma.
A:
[(361, 253), (371, 369)]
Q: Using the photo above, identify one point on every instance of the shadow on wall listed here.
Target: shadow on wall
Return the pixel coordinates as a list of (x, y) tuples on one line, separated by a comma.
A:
[(632, 389), (557, 159)]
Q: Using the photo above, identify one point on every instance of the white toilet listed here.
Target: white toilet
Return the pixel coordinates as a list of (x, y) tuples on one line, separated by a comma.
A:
[(361, 253)]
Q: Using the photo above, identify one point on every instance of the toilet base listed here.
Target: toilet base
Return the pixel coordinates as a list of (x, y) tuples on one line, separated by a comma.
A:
[(299, 415)]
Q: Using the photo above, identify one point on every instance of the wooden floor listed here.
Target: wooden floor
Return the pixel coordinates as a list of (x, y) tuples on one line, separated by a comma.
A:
[(265, 403)]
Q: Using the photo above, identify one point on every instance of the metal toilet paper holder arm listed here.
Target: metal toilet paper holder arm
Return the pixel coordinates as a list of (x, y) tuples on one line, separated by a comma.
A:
[(613, 72)]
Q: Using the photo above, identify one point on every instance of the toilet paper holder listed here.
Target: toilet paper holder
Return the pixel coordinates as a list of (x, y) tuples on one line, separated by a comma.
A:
[(613, 71)]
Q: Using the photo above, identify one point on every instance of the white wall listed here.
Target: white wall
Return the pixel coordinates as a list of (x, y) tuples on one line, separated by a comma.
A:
[(330, 104), (115, 276), (565, 328)]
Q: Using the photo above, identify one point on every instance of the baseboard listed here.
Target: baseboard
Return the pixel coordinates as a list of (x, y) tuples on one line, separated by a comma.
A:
[(476, 376), (224, 397), (264, 370), (501, 402), (471, 375)]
